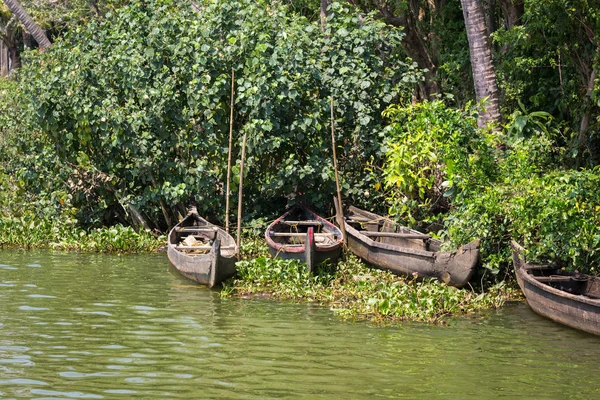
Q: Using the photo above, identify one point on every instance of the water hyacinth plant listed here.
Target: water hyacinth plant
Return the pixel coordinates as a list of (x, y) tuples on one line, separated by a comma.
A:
[(354, 291)]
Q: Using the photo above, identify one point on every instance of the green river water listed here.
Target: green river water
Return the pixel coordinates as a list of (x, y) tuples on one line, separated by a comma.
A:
[(107, 327)]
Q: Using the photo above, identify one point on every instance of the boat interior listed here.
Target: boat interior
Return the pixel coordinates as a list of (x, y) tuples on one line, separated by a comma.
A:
[(196, 236), (292, 229), (570, 282), (383, 230)]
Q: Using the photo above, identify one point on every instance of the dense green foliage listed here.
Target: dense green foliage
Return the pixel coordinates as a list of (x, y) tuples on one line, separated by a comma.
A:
[(439, 167), (135, 107), (548, 59), (555, 216), (433, 154), (45, 220), (124, 121), (356, 292)]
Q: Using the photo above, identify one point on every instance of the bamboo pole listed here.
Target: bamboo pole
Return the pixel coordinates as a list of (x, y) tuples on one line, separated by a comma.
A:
[(337, 177), (229, 155), (240, 194)]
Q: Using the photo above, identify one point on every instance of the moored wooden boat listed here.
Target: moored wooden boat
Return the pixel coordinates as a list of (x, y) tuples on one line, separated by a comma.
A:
[(386, 245), (569, 298), (201, 251), (301, 234)]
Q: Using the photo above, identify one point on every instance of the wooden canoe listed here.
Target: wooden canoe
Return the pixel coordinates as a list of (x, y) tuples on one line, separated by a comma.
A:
[(386, 245), (301, 234), (569, 298), (212, 256)]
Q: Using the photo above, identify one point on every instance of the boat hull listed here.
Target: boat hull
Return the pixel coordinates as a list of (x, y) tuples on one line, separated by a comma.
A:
[(455, 268), (208, 269), (320, 256), (408, 255), (573, 310)]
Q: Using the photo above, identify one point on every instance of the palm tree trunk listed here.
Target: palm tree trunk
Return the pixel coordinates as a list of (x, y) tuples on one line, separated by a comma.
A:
[(484, 75), (39, 35)]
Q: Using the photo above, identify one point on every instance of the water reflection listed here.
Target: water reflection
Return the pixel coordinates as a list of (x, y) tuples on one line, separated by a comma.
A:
[(93, 326)]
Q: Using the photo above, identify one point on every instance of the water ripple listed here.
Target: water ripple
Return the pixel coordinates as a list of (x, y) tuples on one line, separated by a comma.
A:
[(41, 296), (113, 334), (29, 308), (72, 395), (20, 382)]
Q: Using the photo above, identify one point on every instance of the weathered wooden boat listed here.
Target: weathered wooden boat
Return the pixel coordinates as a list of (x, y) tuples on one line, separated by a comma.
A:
[(569, 298), (386, 245), (201, 251), (301, 234)]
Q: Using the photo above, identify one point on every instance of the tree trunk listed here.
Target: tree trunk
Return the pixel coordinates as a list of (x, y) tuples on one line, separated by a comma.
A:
[(15, 57), (484, 75), (490, 15), (15, 7), (585, 119), (137, 219), (94, 7), (163, 206), (324, 5), (27, 40), (3, 59), (413, 44), (513, 11)]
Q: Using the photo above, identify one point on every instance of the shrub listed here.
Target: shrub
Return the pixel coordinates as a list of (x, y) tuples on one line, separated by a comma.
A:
[(138, 103), (433, 154), (439, 166)]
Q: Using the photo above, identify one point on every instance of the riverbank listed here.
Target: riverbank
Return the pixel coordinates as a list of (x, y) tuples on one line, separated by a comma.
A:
[(351, 289), (27, 233)]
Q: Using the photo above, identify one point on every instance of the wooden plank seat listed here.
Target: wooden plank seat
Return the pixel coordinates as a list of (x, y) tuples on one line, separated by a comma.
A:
[(300, 234), (181, 247), (358, 219), (397, 235), (197, 229), (542, 267), (365, 222), (302, 223), (553, 278)]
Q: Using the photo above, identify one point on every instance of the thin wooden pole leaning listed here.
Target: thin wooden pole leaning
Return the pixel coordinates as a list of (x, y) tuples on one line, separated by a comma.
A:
[(337, 176), (240, 194), (229, 154)]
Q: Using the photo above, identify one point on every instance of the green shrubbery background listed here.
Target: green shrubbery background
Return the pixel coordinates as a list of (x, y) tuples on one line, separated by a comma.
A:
[(124, 122), (133, 111), (441, 168)]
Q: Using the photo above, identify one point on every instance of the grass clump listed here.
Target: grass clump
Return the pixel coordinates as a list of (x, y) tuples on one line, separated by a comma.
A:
[(26, 232), (354, 291)]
